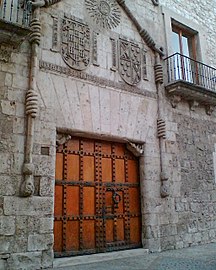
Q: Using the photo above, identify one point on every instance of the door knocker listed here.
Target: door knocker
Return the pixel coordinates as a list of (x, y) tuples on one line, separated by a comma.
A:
[(116, 199)]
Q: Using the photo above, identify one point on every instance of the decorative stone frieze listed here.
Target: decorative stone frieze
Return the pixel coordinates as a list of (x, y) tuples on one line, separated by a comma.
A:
[(45, 66)]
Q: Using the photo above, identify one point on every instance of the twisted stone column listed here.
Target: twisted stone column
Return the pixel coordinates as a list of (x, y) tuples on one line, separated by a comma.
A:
[(27, 187)]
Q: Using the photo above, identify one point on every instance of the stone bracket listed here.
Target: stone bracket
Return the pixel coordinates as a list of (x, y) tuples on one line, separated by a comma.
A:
[(136, 149), (62, 139)]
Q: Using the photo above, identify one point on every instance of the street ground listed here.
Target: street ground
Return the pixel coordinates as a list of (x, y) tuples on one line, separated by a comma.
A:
[(193, 258)]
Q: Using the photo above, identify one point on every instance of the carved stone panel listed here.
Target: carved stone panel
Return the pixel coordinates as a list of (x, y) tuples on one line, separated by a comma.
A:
[(130, 61), (106, 14), (75, 43)]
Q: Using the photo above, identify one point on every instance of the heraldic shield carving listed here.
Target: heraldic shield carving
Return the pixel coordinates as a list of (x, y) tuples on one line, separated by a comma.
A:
[(75, 43), (129, 62)]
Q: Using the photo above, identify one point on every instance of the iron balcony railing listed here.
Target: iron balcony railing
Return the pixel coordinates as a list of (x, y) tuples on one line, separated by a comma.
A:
[(16, 12), (183, 68)]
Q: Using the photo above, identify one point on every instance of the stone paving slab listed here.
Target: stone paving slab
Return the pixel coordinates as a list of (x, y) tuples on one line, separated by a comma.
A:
[(194, 258)]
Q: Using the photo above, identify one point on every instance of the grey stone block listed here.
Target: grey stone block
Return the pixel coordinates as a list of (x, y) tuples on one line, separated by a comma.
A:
[(40, 242), (25, 261), (32, 206), (7, 225)]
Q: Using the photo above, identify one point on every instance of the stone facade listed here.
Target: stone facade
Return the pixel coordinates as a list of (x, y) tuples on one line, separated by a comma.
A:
[(95, 97)]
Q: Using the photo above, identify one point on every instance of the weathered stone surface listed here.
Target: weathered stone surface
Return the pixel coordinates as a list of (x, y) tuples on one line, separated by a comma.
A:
[(8, 185), (28, 206), (7, 225), (5, 244), (40, 242), (27, 260), (46, 225)]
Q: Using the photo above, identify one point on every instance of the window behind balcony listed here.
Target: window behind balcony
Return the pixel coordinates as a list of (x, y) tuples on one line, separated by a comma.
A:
[(184, 44)]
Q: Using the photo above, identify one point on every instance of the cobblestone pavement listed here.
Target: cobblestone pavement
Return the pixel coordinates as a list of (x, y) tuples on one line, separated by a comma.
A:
[(194, 258)]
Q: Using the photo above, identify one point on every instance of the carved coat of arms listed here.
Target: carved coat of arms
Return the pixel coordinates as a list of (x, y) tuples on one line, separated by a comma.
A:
[(129, 61), (75, 43)]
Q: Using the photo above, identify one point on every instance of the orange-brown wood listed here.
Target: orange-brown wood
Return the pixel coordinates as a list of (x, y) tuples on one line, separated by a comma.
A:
[(106, 170), (89, 234), (88, 169), (120, 170), (72, 201), (109, 230), (72, 232), (58, 236), (89, 201), (97, 199), (58, 210), (73, 164), (59, 166)]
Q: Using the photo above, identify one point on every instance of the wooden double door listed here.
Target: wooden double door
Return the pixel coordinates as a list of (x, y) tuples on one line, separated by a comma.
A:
[(97, 198)]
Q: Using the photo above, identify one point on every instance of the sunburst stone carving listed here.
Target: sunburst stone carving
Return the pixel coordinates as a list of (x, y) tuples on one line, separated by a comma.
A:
[(106, 13)]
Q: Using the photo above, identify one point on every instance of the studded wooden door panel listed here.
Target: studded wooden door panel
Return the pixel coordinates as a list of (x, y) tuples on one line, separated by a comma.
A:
[(97, 198)]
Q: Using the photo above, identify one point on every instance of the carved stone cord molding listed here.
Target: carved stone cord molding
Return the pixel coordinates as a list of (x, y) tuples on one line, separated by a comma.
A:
[(143, 33), (27, 186), (161, 126), (155, 2), (44, 3)]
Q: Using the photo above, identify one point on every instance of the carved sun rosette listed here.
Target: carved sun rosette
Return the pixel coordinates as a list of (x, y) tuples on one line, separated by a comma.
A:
[(75, 43), (106, 13)]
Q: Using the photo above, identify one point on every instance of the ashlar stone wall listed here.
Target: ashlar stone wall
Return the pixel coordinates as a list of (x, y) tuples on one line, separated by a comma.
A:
[(98, 102)]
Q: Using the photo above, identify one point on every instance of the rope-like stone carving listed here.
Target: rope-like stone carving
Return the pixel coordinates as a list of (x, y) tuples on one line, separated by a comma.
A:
[(32, 103), (155, 2), (51, 2), (35, 36), (148, 39), (42, 3), (158, 73), (27, 186), (161, 128), (144, 34)]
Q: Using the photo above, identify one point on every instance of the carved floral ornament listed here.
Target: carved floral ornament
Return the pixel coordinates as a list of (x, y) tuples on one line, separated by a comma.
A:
[(106, 14)]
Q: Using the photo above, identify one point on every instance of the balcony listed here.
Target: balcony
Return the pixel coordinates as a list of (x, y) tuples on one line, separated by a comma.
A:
[(15, 16), (190, 80)]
